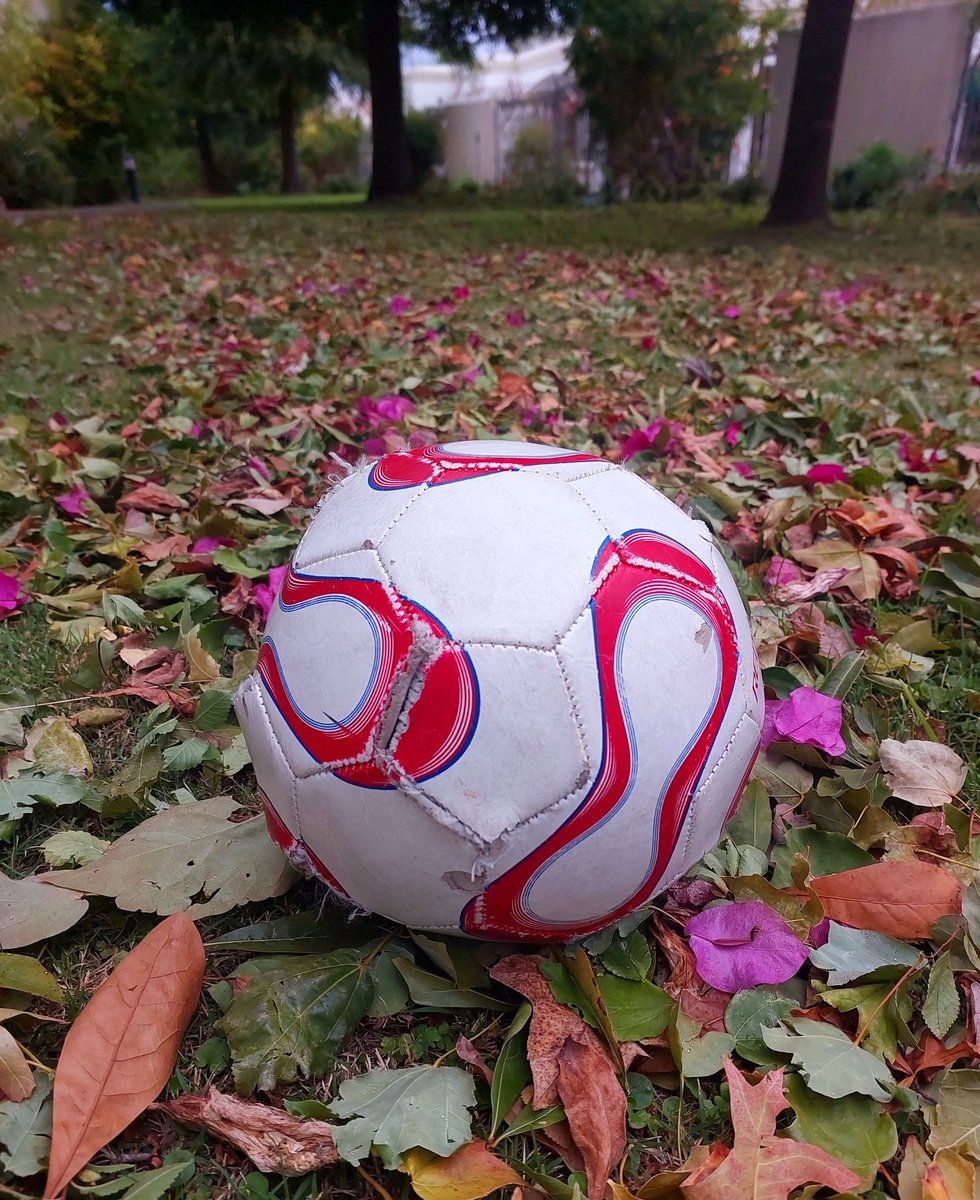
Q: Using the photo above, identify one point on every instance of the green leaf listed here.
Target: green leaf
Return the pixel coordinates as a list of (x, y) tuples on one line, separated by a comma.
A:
[(750, 1012), (850, 953), (72, 846), (21, 973), (955, 1121), (530, 1119), (697, 1055), (752, 823), (390, 990), (852, 1129), (137, 775), (512, 1071), (942, 1004), (630, 957), (295, 1017), (637, 1009), (213, 707), (882, 1011), (843, 675), (21, 794), (435, 991), (187, 851), (827, 853), (308, 1108), (151, 1185), (25, 1130), (397, 1110), (317, 931), (185, 756), (828, 1058)]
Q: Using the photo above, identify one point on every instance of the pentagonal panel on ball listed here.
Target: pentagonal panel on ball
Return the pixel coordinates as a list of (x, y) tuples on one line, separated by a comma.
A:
[(525, 752), (623, 502), (503, 557), (273, 773)]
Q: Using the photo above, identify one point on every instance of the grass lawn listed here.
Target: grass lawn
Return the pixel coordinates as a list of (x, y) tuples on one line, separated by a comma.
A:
[(173, 388)]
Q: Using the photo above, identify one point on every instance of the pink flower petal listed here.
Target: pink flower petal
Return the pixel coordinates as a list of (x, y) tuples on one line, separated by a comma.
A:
[(810, 718), (782, 571), (515, 318), (265, 593), (204, 545), (73, 502), (732, 312), (740, 946), (12, 595), (399, 305), (827, 473)]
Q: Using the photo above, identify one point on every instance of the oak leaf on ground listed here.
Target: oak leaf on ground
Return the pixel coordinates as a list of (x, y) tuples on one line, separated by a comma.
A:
[(760, 1164), (469, 1173), (121, 1049)]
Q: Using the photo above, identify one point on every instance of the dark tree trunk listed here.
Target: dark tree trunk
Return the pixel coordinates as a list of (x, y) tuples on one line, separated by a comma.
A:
[(212, 176), (290, 183), (390, 171), (801, 190)]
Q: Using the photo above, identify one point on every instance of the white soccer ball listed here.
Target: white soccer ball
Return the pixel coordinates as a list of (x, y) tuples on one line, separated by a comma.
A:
[(506, 690)]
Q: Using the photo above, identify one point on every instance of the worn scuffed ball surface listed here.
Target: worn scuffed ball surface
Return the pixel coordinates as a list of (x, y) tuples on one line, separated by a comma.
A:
[(506, 689)]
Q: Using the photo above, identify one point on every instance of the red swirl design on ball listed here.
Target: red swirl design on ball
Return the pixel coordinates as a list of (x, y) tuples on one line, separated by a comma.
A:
[(435, 465), (665, 570), (422, 698)]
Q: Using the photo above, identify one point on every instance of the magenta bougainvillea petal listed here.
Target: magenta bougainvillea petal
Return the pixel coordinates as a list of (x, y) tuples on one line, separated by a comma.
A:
[(739, 946)]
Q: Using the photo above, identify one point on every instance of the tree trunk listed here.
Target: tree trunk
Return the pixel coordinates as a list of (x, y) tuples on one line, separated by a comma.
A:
[(801, 190), (390, 171), (290, 182), (211, 174)]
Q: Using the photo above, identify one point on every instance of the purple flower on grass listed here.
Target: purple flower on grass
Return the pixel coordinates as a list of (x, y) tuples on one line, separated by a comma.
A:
[(73, 502), (12, 595), (806, 717), (739, 946), (265, 593), (205, 545), (827, 473), (399, 305), (653, 436)]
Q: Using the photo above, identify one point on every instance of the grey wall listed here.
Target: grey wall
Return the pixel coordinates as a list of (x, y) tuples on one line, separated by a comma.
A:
[(901, 80)]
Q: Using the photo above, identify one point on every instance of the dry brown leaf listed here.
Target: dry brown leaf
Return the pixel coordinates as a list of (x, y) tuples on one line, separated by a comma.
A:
[(570, 1066), (469, 1173), (272, 1138), (928, 774), (16, 1079), (121, 1049), (901, 899)]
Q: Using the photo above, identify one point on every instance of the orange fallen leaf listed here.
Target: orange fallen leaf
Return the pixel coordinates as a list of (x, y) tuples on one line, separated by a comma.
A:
[(570, 1066), (760, 1164), (121, 1049), (470, 1173), (272, 1138), (16, 1079), (901, 899)]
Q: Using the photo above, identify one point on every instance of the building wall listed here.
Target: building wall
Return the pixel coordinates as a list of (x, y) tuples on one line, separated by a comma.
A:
[(900, 85), (470, 146)]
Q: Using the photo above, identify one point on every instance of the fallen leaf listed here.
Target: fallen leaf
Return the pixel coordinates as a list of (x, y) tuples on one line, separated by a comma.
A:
[(928, 774), (16, 1080), (30, 911), (849, 953), (955, 1121), (832, 1064), (570, 1066), (852, 1129), (294, 1015), (901, 899), (21, 973), (54, 745), (469, 1173), (25, 1131), (72, 846), (397, 1110), (762, 1166), (121, 1048), (272, 1138), (183, 852)]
